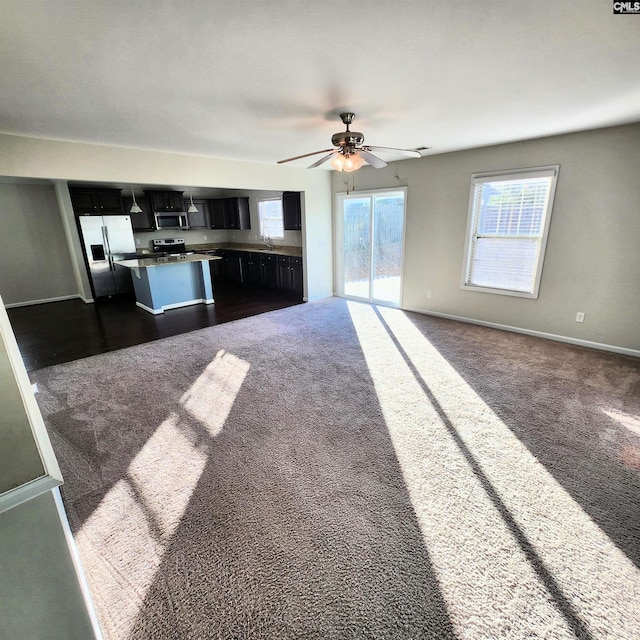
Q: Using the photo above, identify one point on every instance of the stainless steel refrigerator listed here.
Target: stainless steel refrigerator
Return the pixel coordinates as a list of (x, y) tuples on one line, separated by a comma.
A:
[(107, 239)]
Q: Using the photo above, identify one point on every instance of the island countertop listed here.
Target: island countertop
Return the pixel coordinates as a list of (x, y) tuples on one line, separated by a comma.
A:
[(152, 261), (184, 280)]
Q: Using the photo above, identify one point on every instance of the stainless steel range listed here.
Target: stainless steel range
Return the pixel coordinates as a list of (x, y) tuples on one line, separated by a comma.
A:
[(170, 247)]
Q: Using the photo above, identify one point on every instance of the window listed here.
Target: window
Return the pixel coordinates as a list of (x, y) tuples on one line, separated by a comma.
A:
[(509, 216), (270, 213)]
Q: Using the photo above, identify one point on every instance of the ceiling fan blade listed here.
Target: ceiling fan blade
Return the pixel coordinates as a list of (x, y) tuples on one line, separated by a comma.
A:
[(324, 159), (417, 154), (374, 161), (305, 155)]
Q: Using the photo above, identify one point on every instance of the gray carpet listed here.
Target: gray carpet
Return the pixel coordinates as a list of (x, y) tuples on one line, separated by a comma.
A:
[(337, 470)]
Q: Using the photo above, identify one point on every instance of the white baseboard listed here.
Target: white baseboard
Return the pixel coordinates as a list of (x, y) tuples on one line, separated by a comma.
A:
[(530, 332), (186, 303), (177, 305), (28, 303), (155, 312)]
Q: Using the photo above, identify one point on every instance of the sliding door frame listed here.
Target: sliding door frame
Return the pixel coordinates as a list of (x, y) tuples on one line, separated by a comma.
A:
[(338, 226)]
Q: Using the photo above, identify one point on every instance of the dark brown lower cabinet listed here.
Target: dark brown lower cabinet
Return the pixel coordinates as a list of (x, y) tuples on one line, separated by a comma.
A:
[(218, 269), (233, 265), (297, 281), (252, 269), (290, 274), (270, 271)]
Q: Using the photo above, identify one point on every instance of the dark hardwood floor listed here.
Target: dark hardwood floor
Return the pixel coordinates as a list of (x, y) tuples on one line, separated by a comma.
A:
[(57, 332)]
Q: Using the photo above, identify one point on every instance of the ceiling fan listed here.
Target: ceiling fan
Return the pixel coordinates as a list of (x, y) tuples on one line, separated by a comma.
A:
[(351, 153)]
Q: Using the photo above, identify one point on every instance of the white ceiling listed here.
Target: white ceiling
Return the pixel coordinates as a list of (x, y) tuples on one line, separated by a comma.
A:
[(266, 80)]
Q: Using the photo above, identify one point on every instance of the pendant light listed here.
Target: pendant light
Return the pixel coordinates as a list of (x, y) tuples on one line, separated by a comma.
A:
[(135, 207), (192, 207)]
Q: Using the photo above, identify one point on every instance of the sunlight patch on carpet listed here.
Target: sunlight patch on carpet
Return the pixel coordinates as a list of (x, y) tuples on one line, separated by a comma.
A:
[(126, 554), (164, 475), (462, 465), (130, 530), (212, 395), (631, 422)]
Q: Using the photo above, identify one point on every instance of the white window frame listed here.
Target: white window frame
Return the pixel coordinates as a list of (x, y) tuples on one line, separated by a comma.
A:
[(551, 171), (260, 221)]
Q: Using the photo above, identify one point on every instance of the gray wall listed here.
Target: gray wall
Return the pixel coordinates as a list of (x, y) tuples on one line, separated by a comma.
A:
[(35, 263), (20, 460), (40, 596), (593, 254)]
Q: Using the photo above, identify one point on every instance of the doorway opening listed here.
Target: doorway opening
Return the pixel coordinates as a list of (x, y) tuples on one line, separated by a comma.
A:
[(370, 240)]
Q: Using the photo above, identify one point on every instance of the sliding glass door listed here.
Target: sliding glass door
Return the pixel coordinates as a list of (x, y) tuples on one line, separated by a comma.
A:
[(370, 231)]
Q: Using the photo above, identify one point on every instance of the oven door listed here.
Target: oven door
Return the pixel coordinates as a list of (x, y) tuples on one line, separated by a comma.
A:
[(171, 221)]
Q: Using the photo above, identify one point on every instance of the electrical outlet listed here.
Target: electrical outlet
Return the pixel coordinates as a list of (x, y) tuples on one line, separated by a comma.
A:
[(138, 243), (428, 294), (580, 316), (204, 237)]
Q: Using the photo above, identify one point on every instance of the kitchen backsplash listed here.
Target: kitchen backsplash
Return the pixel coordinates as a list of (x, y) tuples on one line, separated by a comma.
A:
[(144, 239)]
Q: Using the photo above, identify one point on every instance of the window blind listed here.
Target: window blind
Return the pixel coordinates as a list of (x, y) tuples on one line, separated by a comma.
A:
[(509, 222)]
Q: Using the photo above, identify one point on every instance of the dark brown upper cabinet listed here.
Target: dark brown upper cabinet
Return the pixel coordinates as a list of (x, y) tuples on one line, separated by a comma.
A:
[(166, 201), (230, 213), (291, 211), (97, 201), (198, 219), (216, 210), (237, 213), (144, 221)]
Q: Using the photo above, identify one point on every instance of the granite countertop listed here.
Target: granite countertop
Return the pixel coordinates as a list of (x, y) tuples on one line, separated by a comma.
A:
[(281, 250), (152, 261)]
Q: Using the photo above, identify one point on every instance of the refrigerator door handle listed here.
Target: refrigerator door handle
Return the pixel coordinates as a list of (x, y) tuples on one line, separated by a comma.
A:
[(105, 235)]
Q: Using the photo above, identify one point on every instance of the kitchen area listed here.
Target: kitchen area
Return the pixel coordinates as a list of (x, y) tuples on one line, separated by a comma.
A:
[(147, 275), (173, 244)]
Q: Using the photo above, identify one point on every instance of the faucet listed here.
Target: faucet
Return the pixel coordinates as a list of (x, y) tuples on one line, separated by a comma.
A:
[(268, 241)]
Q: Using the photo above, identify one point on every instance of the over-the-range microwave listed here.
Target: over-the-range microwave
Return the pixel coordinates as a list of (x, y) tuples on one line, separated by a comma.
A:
[(173, 220)]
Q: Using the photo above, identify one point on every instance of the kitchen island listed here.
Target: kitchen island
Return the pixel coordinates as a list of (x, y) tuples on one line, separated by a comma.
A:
[(171, 282)]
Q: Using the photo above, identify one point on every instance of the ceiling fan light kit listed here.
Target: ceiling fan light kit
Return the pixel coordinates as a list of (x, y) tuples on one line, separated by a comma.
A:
[(350, 153), (347, 162)]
